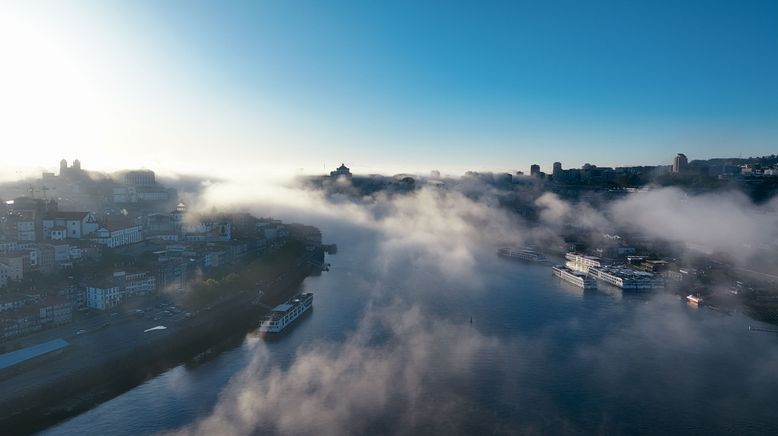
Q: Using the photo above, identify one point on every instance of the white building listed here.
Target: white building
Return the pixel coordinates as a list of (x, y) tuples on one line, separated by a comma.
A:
[(103, 297), (117, 234), (58, 233), (120, 286), (680, 163), (133, 194), (77, 225)]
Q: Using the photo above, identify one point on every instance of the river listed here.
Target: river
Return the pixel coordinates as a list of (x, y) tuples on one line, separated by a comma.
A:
[(514, 350)]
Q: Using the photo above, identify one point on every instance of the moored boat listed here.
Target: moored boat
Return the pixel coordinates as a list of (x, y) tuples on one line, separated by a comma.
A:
[(577, 278), (527, 254)]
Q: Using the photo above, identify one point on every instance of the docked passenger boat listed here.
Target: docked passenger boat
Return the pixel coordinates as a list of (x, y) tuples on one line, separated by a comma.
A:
[(527, 254), (285, 314), (577, 278)]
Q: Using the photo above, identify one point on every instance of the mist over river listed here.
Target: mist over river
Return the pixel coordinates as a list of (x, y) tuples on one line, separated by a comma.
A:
[(390, 348), (173, 170)]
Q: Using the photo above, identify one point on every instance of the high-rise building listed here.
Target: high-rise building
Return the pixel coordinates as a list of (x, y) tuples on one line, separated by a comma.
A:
[(680, 163), (534, 170), (557, 171)]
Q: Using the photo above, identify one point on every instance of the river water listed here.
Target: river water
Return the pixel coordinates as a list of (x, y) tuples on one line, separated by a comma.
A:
[(514, 350)]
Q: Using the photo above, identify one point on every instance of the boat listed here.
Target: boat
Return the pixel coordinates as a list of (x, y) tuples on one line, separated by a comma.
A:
[(527, 254), (694, 299), (577, 278), (286, 314)]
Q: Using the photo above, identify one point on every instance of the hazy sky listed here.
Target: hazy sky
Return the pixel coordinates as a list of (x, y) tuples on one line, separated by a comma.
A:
[(198, 86)]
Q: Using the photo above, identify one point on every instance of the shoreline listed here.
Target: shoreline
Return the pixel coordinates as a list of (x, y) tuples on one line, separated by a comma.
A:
[(76, 387)]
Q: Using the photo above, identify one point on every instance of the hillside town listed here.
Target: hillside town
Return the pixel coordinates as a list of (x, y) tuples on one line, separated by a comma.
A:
[(100, 242)]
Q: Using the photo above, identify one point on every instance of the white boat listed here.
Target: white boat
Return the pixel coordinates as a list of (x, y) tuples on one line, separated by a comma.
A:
[(577, 278), (285, 314), (626, 278), (694, 299), (528, 254)]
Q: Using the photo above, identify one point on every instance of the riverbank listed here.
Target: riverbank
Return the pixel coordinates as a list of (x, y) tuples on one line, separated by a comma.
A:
[(112, 361)]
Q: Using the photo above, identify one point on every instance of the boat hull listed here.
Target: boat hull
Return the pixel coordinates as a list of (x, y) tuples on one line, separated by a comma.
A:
[(270, 336)]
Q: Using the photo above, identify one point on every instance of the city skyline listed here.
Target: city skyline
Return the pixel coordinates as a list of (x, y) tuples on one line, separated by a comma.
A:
[(405, 88), (534, 169), (512, 217)]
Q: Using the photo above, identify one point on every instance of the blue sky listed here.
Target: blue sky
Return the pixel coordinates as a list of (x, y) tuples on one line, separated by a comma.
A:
[(420, 85)]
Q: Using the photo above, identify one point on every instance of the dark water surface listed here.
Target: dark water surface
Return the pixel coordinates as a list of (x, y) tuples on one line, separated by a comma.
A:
[(566, 361)]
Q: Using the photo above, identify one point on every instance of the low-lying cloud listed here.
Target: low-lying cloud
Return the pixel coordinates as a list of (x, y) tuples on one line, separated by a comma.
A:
[(408, 368), (726, 222), (399, 372)]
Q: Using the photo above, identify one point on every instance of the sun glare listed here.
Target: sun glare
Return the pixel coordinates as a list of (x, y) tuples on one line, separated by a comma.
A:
[(48, 100)]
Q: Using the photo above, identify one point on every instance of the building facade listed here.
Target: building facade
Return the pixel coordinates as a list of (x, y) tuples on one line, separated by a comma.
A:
[(76, 225), (680, 163), (55, 311), (140, 178), (118, 234), (102, 297), (17, 263), (112, 292)]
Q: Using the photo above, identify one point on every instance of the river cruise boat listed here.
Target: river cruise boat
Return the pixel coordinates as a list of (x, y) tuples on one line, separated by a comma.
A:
[(577, 278), (285, 314), (626, 278), (525, 254)]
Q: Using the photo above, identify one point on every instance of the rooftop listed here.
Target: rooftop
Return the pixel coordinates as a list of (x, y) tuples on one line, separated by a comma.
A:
[(66, 215), (282, 307), (119, 224), (8, 360)]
